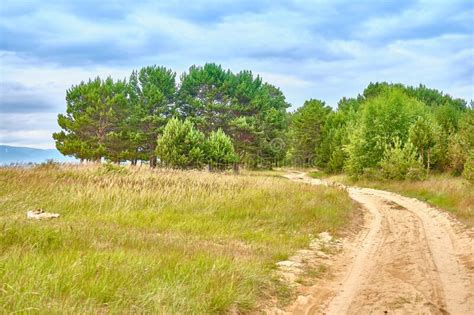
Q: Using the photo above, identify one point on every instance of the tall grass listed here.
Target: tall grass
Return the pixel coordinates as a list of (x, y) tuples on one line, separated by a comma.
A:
[(135, 241)]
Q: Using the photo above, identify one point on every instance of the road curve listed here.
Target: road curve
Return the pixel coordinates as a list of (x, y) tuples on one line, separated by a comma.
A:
[(408, 259)]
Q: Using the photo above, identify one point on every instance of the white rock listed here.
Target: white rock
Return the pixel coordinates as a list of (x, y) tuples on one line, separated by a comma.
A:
[(289, 263), (40, 214), (325, 237)]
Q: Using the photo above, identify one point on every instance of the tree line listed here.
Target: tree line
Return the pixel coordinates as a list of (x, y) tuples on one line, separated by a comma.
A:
[(123, 120), (390, 130), (215, 117)]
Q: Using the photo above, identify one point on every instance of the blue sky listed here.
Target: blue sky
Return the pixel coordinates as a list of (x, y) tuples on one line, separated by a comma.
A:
[(310, 49)]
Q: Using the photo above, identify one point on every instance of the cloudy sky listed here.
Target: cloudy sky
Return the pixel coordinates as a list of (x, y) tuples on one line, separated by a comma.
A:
[(310, 49)]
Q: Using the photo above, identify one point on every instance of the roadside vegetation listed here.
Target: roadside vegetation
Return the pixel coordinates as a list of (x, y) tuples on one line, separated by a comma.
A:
[(134, 240), (453, 194), (390, 131), (447, 192), (411, 140)]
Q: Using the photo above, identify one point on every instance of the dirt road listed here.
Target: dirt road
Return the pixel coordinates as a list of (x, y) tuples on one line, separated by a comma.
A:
[(409, 258)]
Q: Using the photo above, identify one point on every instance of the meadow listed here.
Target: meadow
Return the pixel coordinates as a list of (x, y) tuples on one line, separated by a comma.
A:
[(133, 240)]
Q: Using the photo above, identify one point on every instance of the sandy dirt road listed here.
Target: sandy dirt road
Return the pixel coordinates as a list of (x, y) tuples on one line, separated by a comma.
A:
[(408, 258)]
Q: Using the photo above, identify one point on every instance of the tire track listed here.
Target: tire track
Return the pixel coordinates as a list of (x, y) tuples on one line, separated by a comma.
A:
[(409, 258)]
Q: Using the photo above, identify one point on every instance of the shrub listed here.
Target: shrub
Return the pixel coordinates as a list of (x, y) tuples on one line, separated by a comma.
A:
[(181, 145), (401, 162), (220, 151), (457, 155), (109, 167), (371, 173), (424, 134), (416, 172), (468, 172)]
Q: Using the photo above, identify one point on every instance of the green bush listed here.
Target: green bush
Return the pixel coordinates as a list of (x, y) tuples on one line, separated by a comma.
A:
[(371, 173), (416, 172), (457, 154), (220, 151), (424, 134), (468, 172), (112, 168), (401, 162), (181, 145)]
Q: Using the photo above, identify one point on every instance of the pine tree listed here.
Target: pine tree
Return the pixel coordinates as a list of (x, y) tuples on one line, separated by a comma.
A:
[(94, 115), (305, 131), (220, 151), (181, 145), (152, 97)]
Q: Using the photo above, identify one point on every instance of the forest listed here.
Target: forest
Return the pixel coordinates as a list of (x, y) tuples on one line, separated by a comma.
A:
[(216, 118)]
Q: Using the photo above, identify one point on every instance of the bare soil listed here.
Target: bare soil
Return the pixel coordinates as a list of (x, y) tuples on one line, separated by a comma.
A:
[(409, 258)]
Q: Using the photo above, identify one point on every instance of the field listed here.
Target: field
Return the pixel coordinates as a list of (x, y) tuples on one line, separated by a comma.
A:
[(453, 194), (134, 240)]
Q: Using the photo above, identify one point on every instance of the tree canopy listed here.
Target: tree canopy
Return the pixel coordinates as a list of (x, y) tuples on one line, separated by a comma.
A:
[(217, 117), (387, 123), (121, 120)]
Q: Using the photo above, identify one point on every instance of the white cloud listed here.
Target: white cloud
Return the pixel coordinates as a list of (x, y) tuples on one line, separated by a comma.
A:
[(323, 49)]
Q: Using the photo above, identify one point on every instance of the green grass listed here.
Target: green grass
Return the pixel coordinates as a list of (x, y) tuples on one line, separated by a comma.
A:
[(140, 241), (317, 174), (453, 194)]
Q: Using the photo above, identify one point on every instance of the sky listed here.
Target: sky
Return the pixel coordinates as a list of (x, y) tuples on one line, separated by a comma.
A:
[(309, 49)]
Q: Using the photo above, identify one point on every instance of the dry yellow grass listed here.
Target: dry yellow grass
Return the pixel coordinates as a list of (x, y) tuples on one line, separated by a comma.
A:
[(137, 241)]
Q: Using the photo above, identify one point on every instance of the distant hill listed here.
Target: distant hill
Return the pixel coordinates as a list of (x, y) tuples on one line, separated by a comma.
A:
[(10, 154)]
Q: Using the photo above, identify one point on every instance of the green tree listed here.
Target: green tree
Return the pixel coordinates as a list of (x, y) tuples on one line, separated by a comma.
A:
[(95, 115), (468, 172), (462, 142), (220, 151), (457, 154), (181, 145), (152, 96), (269, 129), (424, 135), (335, 135), (249, 111), (382, 119), (305, 130), (203, 96), (466, 128), (430, 97)]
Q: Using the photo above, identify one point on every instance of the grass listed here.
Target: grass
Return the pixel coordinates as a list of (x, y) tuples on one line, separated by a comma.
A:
[(317, 174), (276, 172), (453, 194), (141, 241)]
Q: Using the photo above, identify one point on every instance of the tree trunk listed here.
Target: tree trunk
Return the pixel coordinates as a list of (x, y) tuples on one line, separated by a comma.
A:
[(428, 164), (236, 168), (423, 155), (153, 162)]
